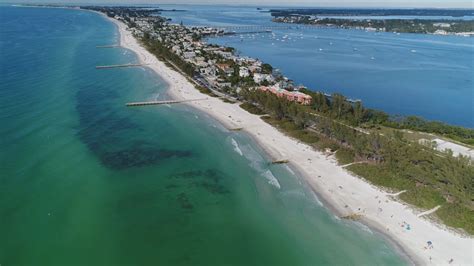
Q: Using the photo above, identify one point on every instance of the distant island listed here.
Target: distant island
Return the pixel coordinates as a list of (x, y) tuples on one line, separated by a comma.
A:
[(373, 12), (358, 19)]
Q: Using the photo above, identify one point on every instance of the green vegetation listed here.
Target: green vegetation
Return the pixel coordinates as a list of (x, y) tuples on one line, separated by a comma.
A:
[(457, 216), (165, 54), (237, 80), (461, 134), (423, 197), (430, 178), (267, 68), (345, 156), (356, 115), (252, 109), (205, 91), (292, 130), (388, 25), (361, 12)]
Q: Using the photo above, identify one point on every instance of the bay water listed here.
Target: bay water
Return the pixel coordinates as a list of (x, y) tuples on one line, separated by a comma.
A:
[(431, 76)]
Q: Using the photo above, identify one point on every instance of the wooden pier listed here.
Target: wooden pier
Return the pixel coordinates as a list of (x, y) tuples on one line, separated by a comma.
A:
[(162, 102), (108, 46), (280, 162), (120, 66)]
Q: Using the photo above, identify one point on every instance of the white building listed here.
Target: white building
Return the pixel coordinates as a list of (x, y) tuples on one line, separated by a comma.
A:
[(442, 25), (244, 72), (209, 71), (189, 55), (259, 78)]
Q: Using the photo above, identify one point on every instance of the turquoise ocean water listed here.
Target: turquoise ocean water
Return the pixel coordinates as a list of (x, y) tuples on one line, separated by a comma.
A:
[(86, 181)]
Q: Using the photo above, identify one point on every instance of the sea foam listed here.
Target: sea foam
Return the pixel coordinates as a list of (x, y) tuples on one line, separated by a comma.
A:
[(364, 227), (316, 198), (236, 147), (272, 180), (289, 169)]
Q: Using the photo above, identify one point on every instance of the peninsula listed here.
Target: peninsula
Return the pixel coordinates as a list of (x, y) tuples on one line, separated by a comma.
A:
[(366, 164)]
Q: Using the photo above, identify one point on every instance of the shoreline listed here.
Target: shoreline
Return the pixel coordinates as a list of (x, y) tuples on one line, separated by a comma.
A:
[(459, 34), (342, 192)]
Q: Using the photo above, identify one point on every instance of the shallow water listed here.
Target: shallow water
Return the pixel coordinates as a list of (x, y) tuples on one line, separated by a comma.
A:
[(408, 74), (85, 180)]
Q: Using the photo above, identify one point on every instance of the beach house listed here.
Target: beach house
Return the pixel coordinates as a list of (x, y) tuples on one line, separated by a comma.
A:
[(294, 96)]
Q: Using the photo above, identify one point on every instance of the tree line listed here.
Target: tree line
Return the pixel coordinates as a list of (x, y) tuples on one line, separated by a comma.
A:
[(429, 177)]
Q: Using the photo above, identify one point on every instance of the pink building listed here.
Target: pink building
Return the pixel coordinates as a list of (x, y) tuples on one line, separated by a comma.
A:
[(294, 96)]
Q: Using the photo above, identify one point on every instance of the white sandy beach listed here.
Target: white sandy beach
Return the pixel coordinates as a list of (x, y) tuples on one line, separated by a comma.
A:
[(345, 192)]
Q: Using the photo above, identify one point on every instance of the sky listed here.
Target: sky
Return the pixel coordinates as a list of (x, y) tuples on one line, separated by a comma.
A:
[(316, 3)]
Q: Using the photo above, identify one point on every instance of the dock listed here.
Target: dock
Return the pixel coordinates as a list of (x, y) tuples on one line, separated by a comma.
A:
[(353, 217), (108, 46), (120, 66), (347, 99), (162, 102), (280, 162)]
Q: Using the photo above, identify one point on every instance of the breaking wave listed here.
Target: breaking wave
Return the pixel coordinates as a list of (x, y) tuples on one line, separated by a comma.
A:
[(236, 147), (289, 169), (317, 199), (272, 180), (364, 227)]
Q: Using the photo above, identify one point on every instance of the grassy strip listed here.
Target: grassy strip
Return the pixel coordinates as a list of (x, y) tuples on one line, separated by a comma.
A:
[(345, 156), (292, 130), (423, 197), (454, 214), (205, 90), (457, 216), (252, 109), (374, 174)]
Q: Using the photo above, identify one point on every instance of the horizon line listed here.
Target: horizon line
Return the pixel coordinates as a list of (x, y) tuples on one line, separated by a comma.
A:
[(224, 4)]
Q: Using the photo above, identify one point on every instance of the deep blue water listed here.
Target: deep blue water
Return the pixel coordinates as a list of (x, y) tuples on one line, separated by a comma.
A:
[(408, 74)]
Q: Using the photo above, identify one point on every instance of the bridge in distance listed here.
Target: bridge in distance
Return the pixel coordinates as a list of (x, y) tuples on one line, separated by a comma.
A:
[(258, 27)]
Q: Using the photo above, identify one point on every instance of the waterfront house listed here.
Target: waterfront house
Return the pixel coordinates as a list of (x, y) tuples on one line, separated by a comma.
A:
[(294, 96)]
